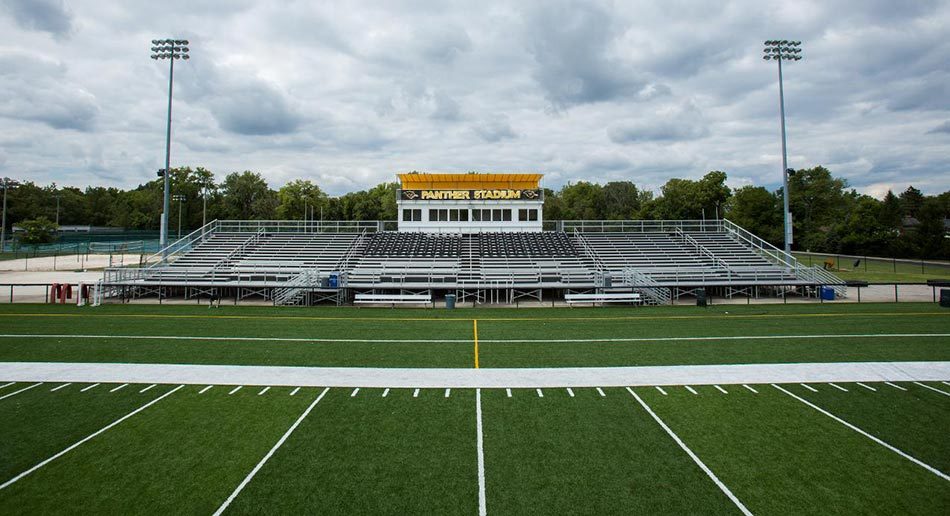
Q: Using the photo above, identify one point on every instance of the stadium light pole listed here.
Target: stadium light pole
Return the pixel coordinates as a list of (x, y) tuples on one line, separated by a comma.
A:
[(7, 185), (783, 50), (170, 49), (180, 199)]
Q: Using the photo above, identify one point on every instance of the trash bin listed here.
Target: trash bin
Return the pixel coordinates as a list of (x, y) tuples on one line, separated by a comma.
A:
[(945, 297), (608, 281), (450, 301), (701, 297), (827, 293), (334, 280)]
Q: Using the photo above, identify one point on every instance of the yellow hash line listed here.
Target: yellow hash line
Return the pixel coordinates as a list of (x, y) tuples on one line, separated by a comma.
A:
[(475, 330), (496, 319)]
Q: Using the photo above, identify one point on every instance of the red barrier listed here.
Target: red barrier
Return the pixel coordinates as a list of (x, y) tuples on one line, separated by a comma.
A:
[(54, 292), (67, 293)]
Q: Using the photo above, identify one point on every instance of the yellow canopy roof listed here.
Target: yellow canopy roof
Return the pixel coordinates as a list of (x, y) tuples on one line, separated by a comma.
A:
[(469, 181)]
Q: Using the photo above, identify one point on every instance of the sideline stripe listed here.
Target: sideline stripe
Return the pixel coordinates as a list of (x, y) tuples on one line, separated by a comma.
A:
[(570, 392), (661, 390), (147, 388), (4, 386), (386, 392), (540, 394), (692, 455), (480, 447), (508, 392), (475, 331), (868, 387), (457, 319), (721, 389), (124, 385), (945, 393), (355, 392), (493, 341), (14, 393), (90, 436), (448, 392), (894, 385), (751, 389), (265, 389), (809, 387), (865, 434), (946, 383), (840, 388), (295, 391), (270, 453), (202, 391), (235, 389), (601, 392), (93, 386), (415, 393), (54, 389), (690, 389)]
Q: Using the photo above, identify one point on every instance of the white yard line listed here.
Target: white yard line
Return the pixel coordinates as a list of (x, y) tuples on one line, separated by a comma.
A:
[(508, 392), (946, 383), (480, 447), (540, 394), (415, 393), (54, 389), (865, 434), (750, 388), (119, 388), (87, 438), (386, 393), (295, 391), (494, 341), (809, 387), (448, 392), (690, 389), (721, 389), (265, 389), (945, 393), (355, 392), (235, 389), (269, 454), (692, 455), (868, 387), (147, 388), (14, 393), (894, 385), (661, 390), (4, 386), (93, 386), (206, 389), (840, 388), (601, 392), (570, 392)]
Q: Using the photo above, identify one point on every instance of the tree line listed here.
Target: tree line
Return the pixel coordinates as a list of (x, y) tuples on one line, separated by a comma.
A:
[(828, 215)]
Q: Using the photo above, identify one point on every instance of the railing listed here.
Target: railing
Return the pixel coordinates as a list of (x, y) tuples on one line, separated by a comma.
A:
[(180, 246), (355, 246), (589, 252), (639, 226), (295, 286), (239, 250), (652, 290), (704, 251)]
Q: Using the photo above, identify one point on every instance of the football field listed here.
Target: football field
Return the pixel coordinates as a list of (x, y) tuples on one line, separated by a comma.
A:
[(875, 446)]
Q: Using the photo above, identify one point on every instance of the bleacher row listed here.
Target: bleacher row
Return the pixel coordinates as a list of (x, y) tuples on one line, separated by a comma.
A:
[(421, 260)]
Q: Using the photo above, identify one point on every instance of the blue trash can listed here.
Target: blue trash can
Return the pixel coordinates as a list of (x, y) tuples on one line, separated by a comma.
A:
[(450, 301), (334, 280), (827, 293)]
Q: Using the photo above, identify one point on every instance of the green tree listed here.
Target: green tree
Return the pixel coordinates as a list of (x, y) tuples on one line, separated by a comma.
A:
[(759, 211), (911, 201), (246, 196), (582, 201), (40, 230), (817, 201), (299, 195), (621, 200)]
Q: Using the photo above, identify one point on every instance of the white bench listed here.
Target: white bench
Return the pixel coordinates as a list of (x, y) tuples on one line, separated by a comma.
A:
[(606, 297), (393, 299)]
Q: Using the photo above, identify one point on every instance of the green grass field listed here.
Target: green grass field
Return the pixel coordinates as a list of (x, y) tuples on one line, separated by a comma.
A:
[(881, 270), (703, 449)]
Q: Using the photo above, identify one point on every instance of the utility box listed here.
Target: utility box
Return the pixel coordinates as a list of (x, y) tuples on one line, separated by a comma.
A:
[(945, 297), (334, 281), (701, 299)]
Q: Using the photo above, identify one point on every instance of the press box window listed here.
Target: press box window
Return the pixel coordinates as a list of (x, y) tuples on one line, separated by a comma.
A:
[(412, 215)]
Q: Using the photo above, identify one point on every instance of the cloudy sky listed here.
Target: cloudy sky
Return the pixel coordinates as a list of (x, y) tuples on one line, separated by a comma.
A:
[(349, 93)]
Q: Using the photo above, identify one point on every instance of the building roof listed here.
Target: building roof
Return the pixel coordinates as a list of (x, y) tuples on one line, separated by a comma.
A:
[(416, 181)]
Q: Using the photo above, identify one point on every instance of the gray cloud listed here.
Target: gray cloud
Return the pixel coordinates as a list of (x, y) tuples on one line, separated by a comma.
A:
[(942, 128), (50, 96), (50, 16), (495, 130), (672, 123)]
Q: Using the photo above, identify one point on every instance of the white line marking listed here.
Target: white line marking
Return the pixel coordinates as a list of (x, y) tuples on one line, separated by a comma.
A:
[(147, 388), (119, 388), (508, 392), (601, 392), (482, 510), (270, 453), (750, 388), (202, 391), (494, 341), (415, 393), (809, 387), (570, 392), (661, 390), (692, 455), (540, 394), (355, 391), (14, 393), (265, 389), (386, 393), (721, 389), (4, 386), (448, 392), (235, 389), (690, 389), (54, 389), (840, 388), (295, 391), (868, 387), (865, 434), (945, 393), (894, 385), (90, 436), (93, 386), (946, 383)]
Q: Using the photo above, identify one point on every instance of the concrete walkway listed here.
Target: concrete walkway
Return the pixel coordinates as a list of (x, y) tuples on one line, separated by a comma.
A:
[(471, 378)]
